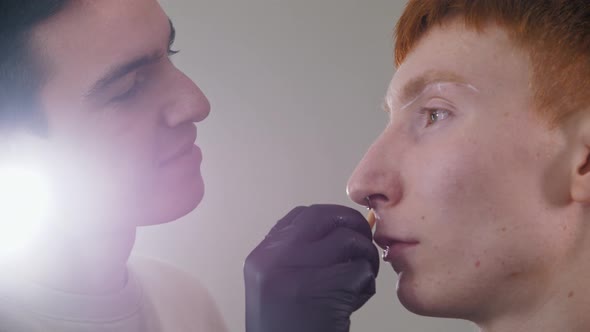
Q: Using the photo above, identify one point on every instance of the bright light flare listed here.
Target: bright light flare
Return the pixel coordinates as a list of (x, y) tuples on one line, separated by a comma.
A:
[(25, 202)]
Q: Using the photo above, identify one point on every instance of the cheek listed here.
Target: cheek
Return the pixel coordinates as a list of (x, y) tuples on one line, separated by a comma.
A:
[(487, 177), (481, 207), (133, 165), (444, 178), (114, 164)]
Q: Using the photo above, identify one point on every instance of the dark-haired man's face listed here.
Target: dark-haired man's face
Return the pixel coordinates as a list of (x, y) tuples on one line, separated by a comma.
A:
[(120, 115)]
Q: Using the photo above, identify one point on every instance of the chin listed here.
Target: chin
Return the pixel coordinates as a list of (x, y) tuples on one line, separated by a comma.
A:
[(174, 205), (423, 300), (412, 301)]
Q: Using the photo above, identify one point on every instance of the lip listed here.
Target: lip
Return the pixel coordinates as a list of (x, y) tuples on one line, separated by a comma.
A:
[(395, 250), (397, 254), (183, 149), (181, 152)]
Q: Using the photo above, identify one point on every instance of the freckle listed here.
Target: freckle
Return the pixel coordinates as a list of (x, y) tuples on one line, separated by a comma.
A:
[(477, 264), (565, 227), (571, 294), (503, 229), (423, 217), (514, 275), (506, 114)]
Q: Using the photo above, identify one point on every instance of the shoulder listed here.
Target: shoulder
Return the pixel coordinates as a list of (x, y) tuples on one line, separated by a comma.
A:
[(177, 296), (158, 276)]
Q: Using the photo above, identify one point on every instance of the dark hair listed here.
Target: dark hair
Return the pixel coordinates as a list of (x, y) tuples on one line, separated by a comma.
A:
[(21, 69)]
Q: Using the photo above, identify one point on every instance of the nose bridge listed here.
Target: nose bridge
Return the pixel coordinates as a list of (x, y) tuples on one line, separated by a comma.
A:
[(378, 173), (186, 102)]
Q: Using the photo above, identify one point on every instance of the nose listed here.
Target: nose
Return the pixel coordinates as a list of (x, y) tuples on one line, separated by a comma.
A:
[(377, 176), (187, 102)]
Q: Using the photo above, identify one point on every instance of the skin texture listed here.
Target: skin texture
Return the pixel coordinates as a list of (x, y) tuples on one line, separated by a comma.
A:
[(494, 201), (106, 147)]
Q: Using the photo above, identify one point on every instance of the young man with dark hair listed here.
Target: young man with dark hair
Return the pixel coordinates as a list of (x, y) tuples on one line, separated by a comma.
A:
[(480, 182), (87, 89)]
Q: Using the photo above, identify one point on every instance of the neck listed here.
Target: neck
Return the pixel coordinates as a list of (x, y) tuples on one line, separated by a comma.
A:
[(565, 311), (555, 304), (91, 264)]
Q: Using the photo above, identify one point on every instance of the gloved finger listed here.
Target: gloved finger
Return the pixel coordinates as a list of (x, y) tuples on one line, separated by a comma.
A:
[(268, 248), (268, 255), (286, 220), (340, 246), (353, 283), (317, 221), (268, 252), (366, 284)]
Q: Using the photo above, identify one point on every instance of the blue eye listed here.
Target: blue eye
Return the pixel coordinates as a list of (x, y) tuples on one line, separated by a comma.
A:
[(435, 115)]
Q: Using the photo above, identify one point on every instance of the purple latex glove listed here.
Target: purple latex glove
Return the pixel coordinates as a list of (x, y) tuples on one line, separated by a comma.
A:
[(315, 267)]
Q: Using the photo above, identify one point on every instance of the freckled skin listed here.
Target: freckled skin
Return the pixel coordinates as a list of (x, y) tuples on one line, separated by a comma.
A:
[(486, 187)]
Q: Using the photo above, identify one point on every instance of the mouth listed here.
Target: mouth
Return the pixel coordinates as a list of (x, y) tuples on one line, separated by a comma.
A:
[(178, 154), (395, 250), (185, 147)]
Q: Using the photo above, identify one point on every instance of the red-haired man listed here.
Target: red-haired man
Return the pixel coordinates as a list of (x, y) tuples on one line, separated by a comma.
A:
[(480, 182)]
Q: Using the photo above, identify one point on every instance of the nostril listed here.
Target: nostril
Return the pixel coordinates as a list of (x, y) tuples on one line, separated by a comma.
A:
[(375, 200), (368, 199)]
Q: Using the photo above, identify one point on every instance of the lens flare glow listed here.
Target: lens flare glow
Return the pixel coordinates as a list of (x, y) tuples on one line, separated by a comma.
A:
[(25, 201)]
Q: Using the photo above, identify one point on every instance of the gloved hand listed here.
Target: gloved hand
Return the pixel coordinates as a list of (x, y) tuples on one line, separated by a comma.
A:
[(315, 267)]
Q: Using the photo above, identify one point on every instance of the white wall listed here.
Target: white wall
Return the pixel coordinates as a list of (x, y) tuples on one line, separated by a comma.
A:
[(296, 89)]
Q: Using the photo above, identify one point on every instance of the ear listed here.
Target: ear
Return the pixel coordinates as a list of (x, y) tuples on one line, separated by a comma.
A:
[(580, 166)]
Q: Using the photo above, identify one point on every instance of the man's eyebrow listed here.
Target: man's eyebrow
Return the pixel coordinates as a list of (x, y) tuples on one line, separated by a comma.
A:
[(416, 86), (123, 69), (128, 67)]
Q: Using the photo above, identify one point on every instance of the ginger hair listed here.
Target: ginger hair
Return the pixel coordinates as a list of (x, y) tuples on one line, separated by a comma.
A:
[(554, 33)]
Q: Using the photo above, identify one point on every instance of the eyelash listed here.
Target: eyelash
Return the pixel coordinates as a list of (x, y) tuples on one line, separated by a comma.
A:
[(171, 52), (430, 112), (137, 85), (132, 92)]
